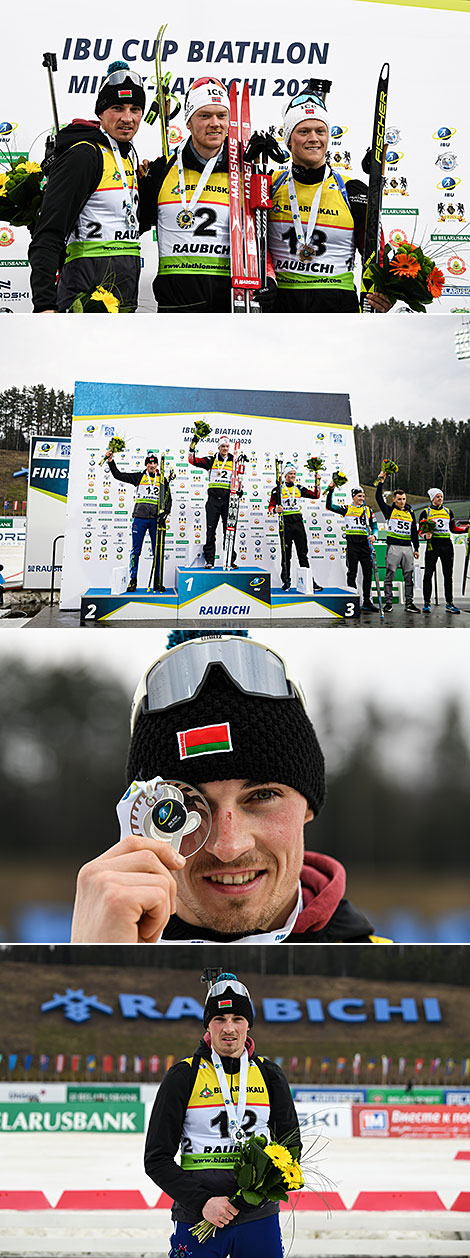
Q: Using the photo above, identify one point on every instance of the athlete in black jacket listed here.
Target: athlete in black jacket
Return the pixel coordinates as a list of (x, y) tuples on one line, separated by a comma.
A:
[(201, 1109), (87, 229), (187, 200)]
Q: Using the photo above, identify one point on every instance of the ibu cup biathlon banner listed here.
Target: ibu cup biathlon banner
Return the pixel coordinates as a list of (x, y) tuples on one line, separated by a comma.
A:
[(47, 498), (427, 174), (268, 425)]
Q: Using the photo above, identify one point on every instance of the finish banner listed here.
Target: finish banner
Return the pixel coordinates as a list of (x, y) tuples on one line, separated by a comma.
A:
[(48, 1117), (417, 1121), (47, 496)]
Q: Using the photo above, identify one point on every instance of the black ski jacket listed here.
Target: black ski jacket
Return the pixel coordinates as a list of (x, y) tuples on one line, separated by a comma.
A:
[(74, 176), (188, 294), (141, 511), (191, 1189)]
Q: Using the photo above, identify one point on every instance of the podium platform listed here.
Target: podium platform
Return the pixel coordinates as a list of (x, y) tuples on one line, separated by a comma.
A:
[(329, 603), (213, 595), (216, 593), (99, 606)]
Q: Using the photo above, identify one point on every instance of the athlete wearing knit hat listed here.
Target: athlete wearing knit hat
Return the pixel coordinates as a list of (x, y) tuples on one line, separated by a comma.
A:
[(227, 995), (207, 1106), (88, 229), (224, 717), (122, 86), (303, 108), (200, 709), (316, 222)]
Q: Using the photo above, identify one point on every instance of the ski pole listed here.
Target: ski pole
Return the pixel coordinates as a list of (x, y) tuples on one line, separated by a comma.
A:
[(371, 250), (260, 147), (50, 64)]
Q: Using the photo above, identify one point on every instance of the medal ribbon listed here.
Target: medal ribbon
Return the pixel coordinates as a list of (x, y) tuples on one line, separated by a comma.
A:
[(204, 178), (235, 1116), (128, 192), (304, 235)]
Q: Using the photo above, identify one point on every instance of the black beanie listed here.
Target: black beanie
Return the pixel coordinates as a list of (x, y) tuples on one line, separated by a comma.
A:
[(267, 740), (227, 1001), (108, 94)]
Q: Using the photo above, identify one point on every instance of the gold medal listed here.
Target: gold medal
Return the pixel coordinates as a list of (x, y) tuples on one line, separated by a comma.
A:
[(306, 252)]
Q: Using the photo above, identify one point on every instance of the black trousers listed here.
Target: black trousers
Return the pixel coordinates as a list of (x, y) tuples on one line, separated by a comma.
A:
[(358, 552), (444, 551), (216, 509), (295, 535)]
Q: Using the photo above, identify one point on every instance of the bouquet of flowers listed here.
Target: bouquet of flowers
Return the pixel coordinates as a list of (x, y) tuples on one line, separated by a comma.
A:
[(96, 301), (408, 275), (388, 467), (20, 193), (264, 1171), (315, 465), (338, 479), (115, 446), (427, 526), (201, 429)]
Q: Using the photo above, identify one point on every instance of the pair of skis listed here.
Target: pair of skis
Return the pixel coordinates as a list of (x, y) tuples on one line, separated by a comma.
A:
[(372, 236), (280, 516), (158, 108), (243, 246), (236, 493), (250, 200), (375, 569)]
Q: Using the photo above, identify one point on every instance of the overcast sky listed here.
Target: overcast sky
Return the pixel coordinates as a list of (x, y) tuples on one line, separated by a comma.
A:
[(401, 365)]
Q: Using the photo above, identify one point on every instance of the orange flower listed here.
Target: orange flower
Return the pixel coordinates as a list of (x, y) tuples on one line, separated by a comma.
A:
[(435, 282), (405, 265)]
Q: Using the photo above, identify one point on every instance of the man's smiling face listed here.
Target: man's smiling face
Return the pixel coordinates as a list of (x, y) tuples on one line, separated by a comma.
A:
[(246, 876)]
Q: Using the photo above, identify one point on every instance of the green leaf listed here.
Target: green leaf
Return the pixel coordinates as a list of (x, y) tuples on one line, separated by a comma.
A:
[(246, 1175), (252, 1198)]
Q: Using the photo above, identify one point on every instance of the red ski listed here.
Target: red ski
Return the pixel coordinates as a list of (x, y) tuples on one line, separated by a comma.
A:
[(243, 248)]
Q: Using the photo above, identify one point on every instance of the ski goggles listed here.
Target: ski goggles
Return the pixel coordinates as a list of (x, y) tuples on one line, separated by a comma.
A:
[(305, 98), (219, 988), (180, 674)]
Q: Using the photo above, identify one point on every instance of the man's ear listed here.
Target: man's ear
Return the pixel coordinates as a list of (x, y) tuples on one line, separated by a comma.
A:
[(309, 815)]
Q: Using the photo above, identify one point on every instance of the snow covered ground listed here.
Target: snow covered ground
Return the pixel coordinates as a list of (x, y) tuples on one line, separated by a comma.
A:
[(58, 1163)]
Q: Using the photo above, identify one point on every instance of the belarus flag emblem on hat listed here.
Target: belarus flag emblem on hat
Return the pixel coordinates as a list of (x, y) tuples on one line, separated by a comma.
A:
[(204, 741), (125, 91), (224, 1004)]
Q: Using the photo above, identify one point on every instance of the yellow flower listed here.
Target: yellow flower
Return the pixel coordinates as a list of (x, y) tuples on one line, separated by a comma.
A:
[(108, 299), (292, 1176), (279, 1155), (31, 168)]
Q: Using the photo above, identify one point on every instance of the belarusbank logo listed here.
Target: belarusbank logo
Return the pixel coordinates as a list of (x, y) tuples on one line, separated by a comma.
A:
[(70, 1117), (14, 262)]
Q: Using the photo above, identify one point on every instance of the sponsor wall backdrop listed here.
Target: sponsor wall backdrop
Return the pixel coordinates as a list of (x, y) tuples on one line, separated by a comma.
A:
[(427, 175), (293, 426), (47, 497)]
